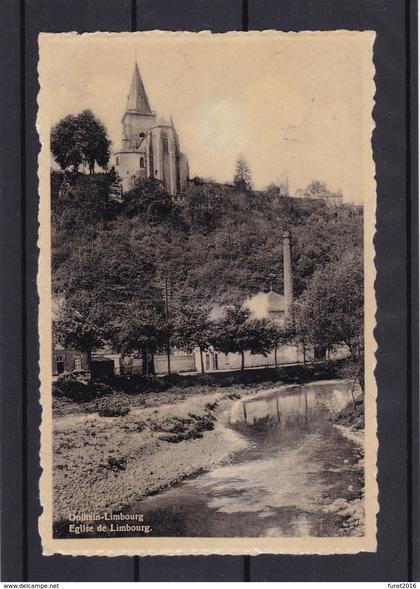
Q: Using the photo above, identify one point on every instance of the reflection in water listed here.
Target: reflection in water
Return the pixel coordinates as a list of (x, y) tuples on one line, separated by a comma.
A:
[(302, 526), (295, 465), (299, 404)]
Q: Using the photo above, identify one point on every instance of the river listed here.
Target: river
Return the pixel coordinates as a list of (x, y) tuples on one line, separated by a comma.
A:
[(296, 471)]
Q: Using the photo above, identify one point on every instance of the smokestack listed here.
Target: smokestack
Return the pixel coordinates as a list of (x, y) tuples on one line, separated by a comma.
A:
[(287, 273)]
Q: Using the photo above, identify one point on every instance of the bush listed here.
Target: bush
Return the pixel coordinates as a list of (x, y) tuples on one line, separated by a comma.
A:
[(179, 429), (71, 388), (112, 408), (113, 411), (115, 464), (68, 386), (65, 379), (352, 416), (285, 374)]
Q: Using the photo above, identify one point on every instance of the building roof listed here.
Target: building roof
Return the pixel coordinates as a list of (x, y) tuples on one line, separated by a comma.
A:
[(137, 98), (263, 304)]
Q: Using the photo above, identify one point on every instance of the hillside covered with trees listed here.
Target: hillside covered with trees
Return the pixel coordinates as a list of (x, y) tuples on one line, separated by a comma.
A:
[(137, 270), (217, 244)]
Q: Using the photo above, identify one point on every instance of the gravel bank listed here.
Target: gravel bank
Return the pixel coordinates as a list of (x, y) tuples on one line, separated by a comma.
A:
[(104, 463), (350, 422)]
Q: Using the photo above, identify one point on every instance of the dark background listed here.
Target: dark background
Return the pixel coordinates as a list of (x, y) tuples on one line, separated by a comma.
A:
[(395, 152)]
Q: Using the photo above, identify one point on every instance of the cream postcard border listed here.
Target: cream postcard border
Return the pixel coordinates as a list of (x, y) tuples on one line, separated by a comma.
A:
[(203, 546)]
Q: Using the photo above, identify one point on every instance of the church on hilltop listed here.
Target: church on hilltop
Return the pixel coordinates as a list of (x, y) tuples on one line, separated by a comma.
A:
[(150, 145)]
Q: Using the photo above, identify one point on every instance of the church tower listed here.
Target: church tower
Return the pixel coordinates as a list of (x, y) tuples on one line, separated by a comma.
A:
[(138, 117), (149, 147)]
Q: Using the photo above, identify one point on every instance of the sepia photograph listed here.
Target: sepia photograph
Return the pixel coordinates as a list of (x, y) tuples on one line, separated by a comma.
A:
[(206, 284)]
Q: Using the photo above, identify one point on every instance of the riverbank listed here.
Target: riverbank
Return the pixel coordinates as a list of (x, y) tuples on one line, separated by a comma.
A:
[(114, 450), (350, 421), (121, 448)]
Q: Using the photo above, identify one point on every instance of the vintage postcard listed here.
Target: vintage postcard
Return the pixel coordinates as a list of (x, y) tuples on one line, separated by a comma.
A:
[(206, 282)]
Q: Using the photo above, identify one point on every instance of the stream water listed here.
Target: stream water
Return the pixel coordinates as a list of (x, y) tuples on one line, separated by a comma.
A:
[(295, 467)]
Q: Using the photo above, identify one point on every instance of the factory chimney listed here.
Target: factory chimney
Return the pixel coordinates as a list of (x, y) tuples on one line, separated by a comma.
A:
[(287, 273)]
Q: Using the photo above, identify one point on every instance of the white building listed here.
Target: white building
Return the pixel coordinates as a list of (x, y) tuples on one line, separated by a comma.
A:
[(264, 305)]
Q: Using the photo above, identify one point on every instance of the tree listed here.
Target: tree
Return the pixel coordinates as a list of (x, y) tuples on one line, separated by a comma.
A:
[(83, 203), (222, 252), (212, 249), (273, 191), (149, 200), (331, 310), (65, 143), (94, 140), (242, 178), (193, 329), (237, 333), (140, 329), (297, 328), (316, 189), (80, 323), (278, 335), (78, 140)]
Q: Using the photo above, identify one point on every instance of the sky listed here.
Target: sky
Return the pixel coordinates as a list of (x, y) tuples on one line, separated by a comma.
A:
[(296, 105)]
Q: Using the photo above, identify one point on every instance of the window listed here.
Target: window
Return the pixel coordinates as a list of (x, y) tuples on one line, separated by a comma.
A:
[(59, 364), (151, 159), (142, 162), (77, 363), (165, 143), (117, 161)]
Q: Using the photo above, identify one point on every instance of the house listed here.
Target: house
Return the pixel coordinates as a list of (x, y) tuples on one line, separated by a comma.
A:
[(267, 305), (65, 359), (331, 199), (68, 359)]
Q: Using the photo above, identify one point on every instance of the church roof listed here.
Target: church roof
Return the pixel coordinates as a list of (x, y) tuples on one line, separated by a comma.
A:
[(137, 98), (163, 122)]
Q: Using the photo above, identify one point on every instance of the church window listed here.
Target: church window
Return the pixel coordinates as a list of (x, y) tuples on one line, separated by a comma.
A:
[(151, 159), (177, 167), (142, 162), (117, 161), (165, 144)]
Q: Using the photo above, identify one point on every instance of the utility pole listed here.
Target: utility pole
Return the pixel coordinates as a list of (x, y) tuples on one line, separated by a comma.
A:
[(287, 273), (168, 344)]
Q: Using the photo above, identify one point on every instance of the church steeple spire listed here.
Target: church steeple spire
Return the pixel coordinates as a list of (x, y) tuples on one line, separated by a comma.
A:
[(137, 98)]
